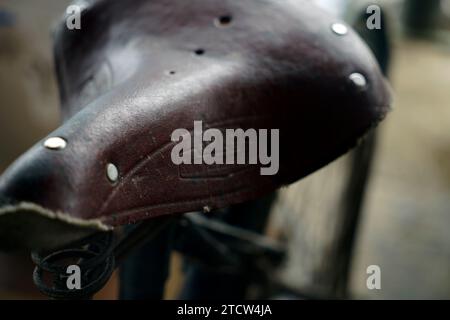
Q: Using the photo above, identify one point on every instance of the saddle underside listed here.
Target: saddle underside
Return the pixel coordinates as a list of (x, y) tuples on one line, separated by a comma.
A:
[(138, 70)]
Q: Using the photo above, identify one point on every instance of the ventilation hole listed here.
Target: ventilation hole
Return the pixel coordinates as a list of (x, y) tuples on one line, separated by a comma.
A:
[(172, 72), (199, 52), (223, 21)]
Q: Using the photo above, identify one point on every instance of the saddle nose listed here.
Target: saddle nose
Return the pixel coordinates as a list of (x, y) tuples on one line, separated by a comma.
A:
[(32, 200), (28, 178)]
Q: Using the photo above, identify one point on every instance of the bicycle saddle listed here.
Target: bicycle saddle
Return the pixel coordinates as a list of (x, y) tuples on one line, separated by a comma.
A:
[(138, 70)]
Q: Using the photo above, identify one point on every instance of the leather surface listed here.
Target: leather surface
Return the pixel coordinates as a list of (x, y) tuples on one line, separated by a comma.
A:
[(131, 76)]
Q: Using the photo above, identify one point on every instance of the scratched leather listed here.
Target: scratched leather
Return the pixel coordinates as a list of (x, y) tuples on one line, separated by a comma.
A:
[(277, 65)]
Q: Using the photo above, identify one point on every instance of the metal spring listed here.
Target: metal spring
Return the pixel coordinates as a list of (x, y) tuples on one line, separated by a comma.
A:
[(95, 259)]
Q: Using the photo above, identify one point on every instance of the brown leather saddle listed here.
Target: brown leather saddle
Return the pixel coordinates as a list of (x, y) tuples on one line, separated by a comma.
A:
[(138, 70)]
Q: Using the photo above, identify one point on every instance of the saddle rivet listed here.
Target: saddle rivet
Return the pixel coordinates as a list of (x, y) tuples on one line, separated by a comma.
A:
[(358, 79), (55, 143), (112, 172), (339, 28)]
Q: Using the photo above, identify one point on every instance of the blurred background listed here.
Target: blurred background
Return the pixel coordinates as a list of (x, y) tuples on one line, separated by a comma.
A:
[(405, 222)]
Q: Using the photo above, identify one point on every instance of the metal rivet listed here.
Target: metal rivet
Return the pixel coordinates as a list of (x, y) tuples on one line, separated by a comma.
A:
[(206, 209), (339, 28), (55, 143), (112, 172), (358, 79)]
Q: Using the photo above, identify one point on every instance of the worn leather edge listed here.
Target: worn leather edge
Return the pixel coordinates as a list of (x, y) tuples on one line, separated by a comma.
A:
[(16, 234)]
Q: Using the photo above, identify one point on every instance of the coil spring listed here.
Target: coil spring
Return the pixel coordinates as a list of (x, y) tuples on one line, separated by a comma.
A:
[(95, 259)]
